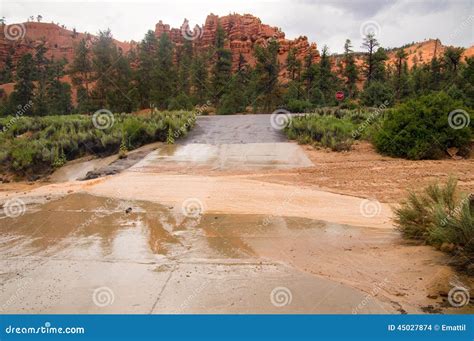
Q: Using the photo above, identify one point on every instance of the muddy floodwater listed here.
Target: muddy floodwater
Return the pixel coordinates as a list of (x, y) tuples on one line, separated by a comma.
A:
[(118, 236), (148, 258)]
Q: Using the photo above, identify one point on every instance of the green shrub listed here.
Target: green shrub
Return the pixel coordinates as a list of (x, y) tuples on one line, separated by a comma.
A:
[(40, 144), (299, 105), (327, 131), (376, 94), (442, 217), (420, 129)]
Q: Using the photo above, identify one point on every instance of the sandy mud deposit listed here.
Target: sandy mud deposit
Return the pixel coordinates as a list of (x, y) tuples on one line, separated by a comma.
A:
[(173, 234)]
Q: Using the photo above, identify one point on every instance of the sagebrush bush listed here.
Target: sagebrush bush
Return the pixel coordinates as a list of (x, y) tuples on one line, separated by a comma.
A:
[(35, 145), (442, 217), (327, 131), (420, 129)]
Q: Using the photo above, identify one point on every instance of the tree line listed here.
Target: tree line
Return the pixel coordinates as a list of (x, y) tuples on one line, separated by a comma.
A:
[(160, 74)]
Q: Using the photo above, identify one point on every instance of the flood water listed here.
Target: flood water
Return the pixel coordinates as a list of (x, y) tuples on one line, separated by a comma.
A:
[(153, 259)]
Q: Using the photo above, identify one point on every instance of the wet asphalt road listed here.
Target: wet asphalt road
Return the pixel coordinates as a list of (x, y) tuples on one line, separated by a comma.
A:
[(234, 129)]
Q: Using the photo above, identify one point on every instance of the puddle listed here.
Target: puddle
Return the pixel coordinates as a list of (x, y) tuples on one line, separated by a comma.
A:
[(72, 245), (86, 224)]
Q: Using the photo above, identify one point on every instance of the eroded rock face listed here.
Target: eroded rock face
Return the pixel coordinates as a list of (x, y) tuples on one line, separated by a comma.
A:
[(18, 39), (243, 33)]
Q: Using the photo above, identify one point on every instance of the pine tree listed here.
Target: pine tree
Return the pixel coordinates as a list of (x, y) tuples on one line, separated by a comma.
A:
[(266, 71), (199, 78), (350, 72), (6, 74), (23, 93), (222, 71), (81, 74), (164, 74), (293, 65), (58, 94), (370, 44), (147, 59), (41, 64)]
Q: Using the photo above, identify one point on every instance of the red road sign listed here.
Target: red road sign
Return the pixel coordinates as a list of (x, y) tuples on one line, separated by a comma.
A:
[(340, 95)]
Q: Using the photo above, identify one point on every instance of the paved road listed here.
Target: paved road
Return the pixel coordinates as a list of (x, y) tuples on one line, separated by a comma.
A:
[(237, 142), (234, 129)]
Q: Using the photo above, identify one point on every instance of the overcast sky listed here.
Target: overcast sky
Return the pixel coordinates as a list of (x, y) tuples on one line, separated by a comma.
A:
[(396, 22)]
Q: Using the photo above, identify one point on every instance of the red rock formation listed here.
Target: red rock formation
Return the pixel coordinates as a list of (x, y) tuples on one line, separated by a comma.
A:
[(18, 39), (243, 33)]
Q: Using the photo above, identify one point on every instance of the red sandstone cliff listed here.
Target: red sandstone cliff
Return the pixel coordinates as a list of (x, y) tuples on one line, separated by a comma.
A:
[(243, 34), (19, 39)]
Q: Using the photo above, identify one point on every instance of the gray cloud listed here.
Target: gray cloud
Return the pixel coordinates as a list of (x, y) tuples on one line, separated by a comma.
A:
[(327, 22)]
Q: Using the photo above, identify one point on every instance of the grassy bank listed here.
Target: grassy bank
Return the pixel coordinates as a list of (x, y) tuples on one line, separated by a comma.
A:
[(38, 145), (328, 131), (442, 217)]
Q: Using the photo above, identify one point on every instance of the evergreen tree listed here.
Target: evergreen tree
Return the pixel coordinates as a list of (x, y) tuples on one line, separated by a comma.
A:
[(199, 78), (266, 70), (370, 44), (81, 74), (41, 65), (350, 72), (6, 74), (24, 87), (400, 83), (221, 73), (327, 82), (113, 76), (293, 65), (164, 74), (58, 93), (147, 59)]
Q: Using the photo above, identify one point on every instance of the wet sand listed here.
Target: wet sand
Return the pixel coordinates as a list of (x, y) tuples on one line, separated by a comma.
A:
[(154, 261), (268, 239)]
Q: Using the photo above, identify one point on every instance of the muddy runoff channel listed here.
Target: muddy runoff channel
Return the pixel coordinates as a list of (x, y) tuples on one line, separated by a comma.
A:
[(89, 254), (175, 231)]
